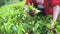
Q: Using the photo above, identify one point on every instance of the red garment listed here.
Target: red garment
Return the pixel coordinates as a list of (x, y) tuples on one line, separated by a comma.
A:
[(48, 4), (49, 8), (32, 1), (29, 1)]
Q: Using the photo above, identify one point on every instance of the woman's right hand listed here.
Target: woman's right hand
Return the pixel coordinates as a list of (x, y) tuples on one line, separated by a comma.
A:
[(31, 12)]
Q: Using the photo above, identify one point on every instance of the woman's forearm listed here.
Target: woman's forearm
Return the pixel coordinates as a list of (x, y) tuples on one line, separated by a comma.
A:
[(55, 12), (55, 15)]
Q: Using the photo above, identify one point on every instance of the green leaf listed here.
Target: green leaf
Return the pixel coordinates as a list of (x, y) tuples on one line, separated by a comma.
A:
[(36, 27), (20, 27), (48, 25)]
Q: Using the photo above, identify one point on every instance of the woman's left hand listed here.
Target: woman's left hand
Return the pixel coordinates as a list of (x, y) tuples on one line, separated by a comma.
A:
[(52, 26)]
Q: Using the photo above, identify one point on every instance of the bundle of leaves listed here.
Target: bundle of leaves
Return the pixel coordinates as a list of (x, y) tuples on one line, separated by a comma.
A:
[(31, 7)]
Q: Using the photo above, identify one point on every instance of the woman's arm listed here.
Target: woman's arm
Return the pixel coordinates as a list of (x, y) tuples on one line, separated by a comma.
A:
[(55, 12), (55, 15)]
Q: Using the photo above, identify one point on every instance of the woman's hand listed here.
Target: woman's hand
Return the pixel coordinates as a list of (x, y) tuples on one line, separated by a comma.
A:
[(32, 12), (52, 25)]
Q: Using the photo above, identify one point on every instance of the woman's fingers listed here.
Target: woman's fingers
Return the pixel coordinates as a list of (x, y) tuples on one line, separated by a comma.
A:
[(52, 25), (32, 12)]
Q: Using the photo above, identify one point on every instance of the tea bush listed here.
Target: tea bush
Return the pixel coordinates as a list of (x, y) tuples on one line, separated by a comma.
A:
[(15, 20)]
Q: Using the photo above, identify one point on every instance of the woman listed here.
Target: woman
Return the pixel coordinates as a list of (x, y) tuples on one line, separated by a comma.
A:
[(52, 7)]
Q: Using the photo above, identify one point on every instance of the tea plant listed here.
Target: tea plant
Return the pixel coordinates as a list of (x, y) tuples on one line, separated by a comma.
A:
[(15, 20)]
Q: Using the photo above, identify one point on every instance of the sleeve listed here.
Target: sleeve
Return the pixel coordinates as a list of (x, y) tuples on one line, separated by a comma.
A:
[(55, 2), (28, 1)]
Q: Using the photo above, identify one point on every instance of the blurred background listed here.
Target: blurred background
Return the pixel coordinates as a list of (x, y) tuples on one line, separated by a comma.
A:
[(4, 2)]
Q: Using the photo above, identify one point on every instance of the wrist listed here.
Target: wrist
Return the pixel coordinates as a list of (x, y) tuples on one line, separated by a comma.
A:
[(54, 21)]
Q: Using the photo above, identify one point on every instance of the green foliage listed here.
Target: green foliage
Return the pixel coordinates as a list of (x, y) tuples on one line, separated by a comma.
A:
[(15, 20)]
